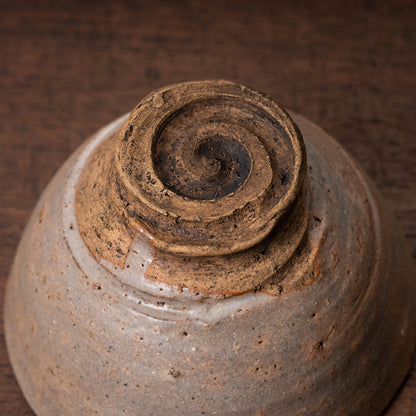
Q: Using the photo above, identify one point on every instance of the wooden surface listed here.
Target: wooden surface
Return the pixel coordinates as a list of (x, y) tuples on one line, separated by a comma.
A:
[(67, 70)]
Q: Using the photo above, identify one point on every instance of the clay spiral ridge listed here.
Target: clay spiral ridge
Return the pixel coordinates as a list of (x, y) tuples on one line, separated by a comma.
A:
[(210, 173)]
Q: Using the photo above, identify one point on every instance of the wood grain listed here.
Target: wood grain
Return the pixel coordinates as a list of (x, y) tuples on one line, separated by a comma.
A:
[(66, 70)]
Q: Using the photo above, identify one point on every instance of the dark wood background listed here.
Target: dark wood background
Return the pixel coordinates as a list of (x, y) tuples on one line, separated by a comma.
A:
[(66, 69)]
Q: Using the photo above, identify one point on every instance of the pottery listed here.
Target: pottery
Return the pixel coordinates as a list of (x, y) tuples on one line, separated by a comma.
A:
[(210, 253)]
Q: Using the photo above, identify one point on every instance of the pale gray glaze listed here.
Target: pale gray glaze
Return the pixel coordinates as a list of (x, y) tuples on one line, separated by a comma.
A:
[(85, 338)]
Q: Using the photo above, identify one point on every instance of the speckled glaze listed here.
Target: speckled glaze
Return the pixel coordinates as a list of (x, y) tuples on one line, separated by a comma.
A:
[(332, 334)]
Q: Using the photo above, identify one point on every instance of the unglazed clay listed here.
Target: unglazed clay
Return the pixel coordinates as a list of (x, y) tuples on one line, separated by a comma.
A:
[(210, 254)]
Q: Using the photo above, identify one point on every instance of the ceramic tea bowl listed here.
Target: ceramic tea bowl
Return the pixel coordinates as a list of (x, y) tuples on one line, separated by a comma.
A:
[(210, 253)]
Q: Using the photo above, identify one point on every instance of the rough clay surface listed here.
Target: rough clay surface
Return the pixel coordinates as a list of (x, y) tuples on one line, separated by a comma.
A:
[(174, 175)]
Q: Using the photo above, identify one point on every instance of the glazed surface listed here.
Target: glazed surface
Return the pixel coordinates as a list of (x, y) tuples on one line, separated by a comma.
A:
[(119, 340)]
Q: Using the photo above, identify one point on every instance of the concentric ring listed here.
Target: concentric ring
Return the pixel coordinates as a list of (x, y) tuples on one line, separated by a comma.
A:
[(208, 168)]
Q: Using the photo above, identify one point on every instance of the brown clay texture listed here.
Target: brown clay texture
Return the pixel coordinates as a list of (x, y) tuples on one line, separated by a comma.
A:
[(133, 310), (203, 171)]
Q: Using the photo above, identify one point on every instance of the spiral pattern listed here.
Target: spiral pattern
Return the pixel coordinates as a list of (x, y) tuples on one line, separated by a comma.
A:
[(208, 168), (200, 163)]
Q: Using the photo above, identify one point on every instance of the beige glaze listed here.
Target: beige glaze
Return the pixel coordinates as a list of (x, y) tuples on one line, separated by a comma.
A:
[(330, 331)]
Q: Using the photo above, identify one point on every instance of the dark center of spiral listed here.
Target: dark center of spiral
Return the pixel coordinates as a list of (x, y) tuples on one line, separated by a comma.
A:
[(197, 156), (216, 167)]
